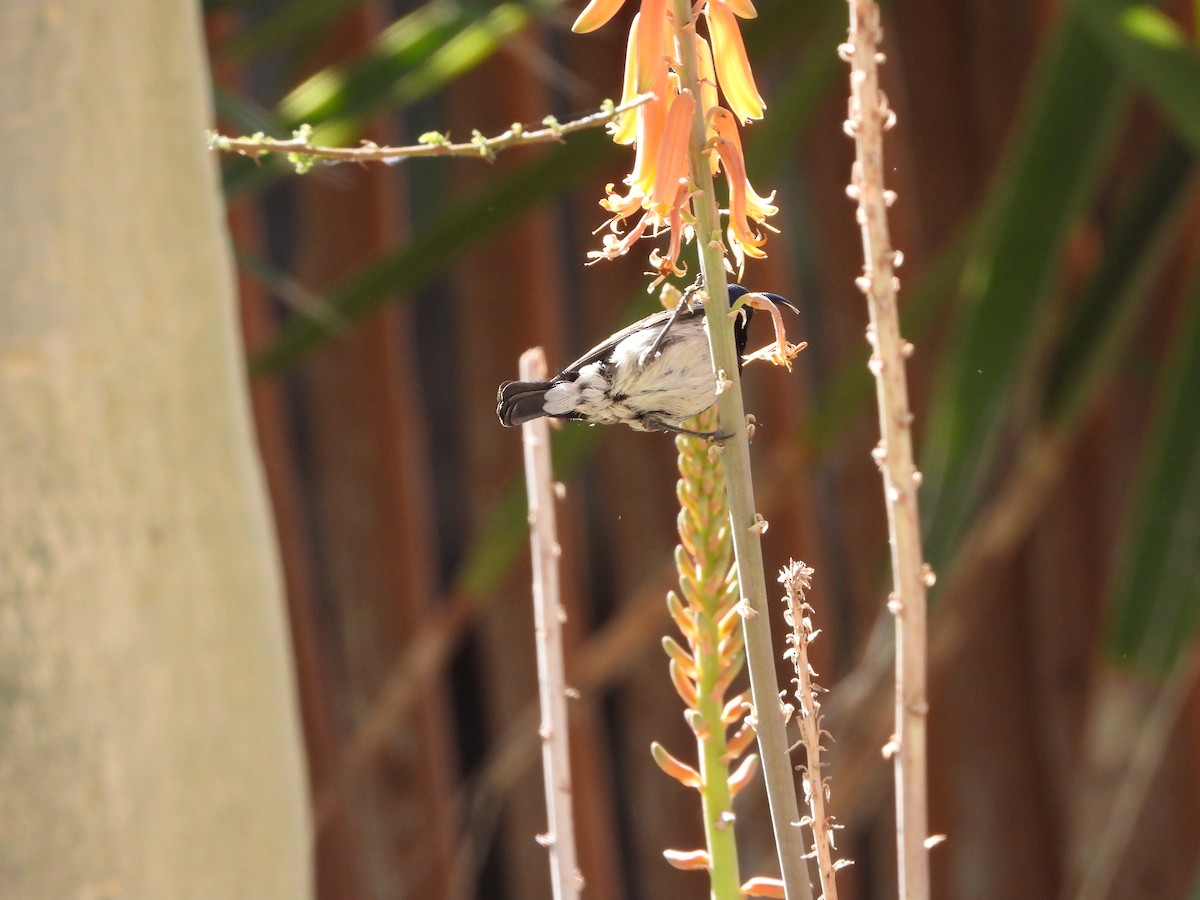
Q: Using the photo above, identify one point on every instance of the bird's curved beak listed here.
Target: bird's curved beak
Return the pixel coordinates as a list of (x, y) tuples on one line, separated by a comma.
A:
[(783, 301)]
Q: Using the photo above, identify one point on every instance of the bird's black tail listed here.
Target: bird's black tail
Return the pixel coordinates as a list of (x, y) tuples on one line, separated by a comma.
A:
[(518, 402)]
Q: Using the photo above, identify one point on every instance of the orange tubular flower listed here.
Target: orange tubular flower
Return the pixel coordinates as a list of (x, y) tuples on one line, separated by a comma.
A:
[(651, 119), (651, 122), (653, 36), (743, 9), (722, 123), (733, 66), (744, 202), (624, 128), (672, 155), (595, 14), (669, 264), (659, 190)]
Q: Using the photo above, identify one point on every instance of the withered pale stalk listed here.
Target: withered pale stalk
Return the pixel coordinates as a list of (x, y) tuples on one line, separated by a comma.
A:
[(796, 578), (869, 117), (548, 617)]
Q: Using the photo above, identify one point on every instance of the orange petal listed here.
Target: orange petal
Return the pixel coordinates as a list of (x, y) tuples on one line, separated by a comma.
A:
[(736, 745), (734, 708), (685, 621), (622, 206), (680, 771), (743, 775), (743, 239), (595, 14), (651, 120), (733, 66), (743, 202), (743, 9), (688, 860), (684, 686), (624, 128), (672, 154), (652, 32), (669, 264), (763, 887), (681, 657)]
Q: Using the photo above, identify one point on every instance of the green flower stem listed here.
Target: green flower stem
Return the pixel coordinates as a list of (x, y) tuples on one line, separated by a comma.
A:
[(710, 589), (717, 802), (760, 654)]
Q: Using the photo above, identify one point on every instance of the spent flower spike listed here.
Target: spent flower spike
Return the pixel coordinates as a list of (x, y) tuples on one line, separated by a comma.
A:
[(658, 195)]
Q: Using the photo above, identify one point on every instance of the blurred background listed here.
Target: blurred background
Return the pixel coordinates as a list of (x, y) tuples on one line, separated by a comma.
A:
[(1044, 159)]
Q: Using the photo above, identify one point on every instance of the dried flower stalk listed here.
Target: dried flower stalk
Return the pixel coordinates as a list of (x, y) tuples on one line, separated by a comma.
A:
[(548, 617), (796, 578), (869, 117)]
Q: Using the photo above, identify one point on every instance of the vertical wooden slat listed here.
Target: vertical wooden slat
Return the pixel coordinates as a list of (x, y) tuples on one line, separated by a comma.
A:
[(509, 297), (363, 438), (337, 845)]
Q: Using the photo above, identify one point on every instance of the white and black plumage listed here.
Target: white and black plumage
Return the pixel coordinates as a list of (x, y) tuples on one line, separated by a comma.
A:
[(652, 376)]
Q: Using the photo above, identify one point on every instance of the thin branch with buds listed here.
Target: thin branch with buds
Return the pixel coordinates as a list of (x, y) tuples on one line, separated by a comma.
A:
[(548, 619), (868, 118), (303, 153)]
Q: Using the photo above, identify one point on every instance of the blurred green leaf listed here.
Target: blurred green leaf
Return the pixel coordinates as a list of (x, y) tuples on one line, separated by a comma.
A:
[(1157, 599), (245, 115), (506, 532), (842, 398), (240, 174), (1152, 50), (771, 144), (1064, 137), (411, 59), (291, 25), (437, 247), (1142, 232)]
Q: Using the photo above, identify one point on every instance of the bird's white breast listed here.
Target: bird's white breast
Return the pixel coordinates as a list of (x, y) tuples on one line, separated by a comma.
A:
[(674, 385)]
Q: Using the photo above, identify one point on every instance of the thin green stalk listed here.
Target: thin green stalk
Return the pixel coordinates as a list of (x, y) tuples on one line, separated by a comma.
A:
[(744, 527)]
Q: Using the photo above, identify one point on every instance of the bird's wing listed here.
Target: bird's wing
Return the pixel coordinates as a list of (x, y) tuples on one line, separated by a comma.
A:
[(651, 322)]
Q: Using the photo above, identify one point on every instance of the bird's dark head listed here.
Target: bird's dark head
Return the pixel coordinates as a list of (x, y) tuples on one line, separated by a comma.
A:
[(736, 293)]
